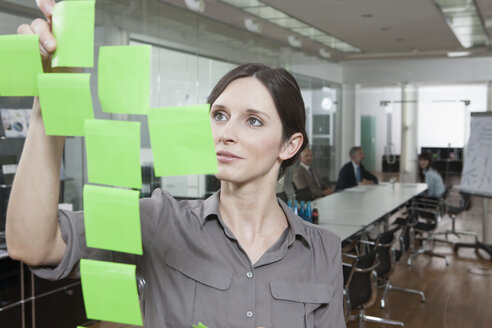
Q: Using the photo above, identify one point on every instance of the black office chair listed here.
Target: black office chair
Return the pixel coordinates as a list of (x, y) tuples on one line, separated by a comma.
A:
[(360, 288), (454, 205), (388, 257), (426, 214)]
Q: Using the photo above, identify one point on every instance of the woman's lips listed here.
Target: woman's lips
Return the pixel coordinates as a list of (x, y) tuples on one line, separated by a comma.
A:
[(227, 157)]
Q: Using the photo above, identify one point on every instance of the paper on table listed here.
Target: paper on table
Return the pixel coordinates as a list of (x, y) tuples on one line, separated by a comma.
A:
[(73, 29), (66, 102), (113, 153), (20, 64), (181, 140), (124, 79), (110, 292), (112, 219)]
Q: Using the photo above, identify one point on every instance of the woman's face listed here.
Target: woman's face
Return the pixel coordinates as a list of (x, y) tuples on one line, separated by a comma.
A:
[(247, 131), (423, 163)]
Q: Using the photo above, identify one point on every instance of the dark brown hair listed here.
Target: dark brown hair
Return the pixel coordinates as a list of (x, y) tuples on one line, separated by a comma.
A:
[(285, 93), (428, 157)]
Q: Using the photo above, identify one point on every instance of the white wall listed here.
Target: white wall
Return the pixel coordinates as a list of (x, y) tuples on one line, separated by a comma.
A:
[(443, 117)]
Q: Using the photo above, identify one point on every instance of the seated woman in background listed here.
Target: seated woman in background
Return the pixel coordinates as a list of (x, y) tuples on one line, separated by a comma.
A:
[(432, 178)]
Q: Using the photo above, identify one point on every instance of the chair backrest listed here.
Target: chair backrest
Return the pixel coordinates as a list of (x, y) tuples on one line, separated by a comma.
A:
[(386, 253), (360, 280)]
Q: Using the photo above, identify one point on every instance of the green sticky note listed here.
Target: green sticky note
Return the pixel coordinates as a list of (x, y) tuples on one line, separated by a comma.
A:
[(73, 29), (112, 219), (113, 153), (124, 79), (200, 325), (110, 292), (20, 64), (66, 102), (181, 140)]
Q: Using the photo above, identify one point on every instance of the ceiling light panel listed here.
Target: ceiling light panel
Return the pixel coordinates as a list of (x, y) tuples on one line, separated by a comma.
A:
[(464, 20), (277, 17)]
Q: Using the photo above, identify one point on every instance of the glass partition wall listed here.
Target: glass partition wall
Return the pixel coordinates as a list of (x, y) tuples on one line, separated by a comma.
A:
[(190, 53)]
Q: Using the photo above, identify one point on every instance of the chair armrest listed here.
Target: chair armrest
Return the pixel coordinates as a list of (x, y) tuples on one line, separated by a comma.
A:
[(367, 242), (373, 267)]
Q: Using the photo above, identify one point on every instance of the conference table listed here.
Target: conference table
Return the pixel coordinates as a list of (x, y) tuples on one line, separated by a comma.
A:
[(350, 212)]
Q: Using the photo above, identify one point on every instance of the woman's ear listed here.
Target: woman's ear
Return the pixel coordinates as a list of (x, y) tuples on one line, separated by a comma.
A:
[(291, 146)]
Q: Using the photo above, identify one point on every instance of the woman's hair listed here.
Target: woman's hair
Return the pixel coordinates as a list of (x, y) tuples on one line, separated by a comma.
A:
[(428, 157), (285, 93)]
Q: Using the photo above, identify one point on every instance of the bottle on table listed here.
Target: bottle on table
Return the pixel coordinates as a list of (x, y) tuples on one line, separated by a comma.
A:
[(315, 214)]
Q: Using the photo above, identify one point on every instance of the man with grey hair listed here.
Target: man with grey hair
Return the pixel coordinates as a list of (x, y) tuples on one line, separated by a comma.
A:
[(306, 176), (354, 173)]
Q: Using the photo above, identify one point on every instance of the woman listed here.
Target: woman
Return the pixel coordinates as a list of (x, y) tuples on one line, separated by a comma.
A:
[(239, 258), (433, 179)]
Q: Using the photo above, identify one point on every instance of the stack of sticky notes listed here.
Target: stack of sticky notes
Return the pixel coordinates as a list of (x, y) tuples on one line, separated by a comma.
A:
[(181, 142)]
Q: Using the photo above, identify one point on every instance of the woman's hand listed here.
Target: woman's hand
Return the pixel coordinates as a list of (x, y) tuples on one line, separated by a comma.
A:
[(47, 42)]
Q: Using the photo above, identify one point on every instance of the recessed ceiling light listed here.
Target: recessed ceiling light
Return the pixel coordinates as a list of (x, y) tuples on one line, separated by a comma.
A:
[(458, 53), (252, 26), (195, 5), (293, 41)]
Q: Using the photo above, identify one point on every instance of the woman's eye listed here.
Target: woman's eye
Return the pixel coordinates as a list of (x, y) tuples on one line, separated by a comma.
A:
[(218, 116), (254, 121)]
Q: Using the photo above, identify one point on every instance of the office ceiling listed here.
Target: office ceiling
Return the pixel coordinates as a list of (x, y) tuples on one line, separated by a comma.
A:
[(380, 28)]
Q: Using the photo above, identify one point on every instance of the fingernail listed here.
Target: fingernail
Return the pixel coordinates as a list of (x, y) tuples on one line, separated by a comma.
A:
[(48, 9), (49, 44)]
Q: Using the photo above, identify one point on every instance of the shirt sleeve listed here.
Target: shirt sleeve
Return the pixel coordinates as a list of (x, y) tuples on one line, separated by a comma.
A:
[(73, 233), (332, 315)]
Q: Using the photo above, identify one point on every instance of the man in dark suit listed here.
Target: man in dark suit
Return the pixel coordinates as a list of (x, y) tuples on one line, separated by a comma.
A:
[(353, 173), (306, 176)]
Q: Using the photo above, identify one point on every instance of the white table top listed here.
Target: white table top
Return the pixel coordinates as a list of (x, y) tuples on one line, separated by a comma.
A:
[(361, 206), (343, 231)]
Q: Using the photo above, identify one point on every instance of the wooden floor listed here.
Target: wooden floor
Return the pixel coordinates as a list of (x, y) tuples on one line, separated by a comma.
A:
[(456, 297)]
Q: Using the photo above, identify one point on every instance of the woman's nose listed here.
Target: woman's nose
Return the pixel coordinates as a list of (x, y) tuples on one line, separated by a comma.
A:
[(228, 132)]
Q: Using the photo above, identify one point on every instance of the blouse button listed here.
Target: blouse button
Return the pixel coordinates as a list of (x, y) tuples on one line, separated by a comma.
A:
[(249, 274), (249, 314)]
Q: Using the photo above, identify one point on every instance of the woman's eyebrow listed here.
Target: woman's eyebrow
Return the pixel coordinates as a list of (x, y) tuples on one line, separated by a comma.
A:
[(257, 112), (218, 106)]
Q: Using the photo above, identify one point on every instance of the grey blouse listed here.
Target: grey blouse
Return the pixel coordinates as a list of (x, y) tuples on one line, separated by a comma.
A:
[(196, 271)]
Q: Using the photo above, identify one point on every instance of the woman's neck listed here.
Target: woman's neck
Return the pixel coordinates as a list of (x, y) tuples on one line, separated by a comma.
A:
[(251, 209)]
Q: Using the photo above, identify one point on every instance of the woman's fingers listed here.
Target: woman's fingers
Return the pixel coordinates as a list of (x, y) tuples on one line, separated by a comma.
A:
[(47, 43), (24, 29), (46, 7)]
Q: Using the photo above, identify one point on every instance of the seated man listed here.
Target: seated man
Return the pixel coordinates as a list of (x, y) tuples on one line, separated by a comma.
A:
[(353, 173), (307, 176)]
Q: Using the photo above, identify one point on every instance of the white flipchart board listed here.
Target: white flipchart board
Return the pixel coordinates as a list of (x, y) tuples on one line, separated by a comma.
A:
[(476, 177)]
